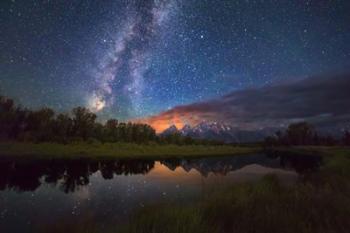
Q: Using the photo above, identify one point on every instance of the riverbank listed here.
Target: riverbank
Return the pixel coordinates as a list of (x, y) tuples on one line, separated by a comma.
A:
[(117, 150), (313, 150), (319, 202)]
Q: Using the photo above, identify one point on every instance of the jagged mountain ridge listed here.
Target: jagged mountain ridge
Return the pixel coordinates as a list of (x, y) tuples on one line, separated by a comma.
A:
[(220, 132)]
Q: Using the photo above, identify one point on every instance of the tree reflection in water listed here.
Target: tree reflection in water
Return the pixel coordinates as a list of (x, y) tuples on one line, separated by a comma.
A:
[(69, 175)]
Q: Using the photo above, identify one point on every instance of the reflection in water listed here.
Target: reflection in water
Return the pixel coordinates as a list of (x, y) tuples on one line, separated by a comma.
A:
[(70, 175), (107, 192), (67, 174)]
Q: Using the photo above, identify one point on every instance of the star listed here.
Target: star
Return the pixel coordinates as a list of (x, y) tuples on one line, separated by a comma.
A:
[(129, 59)]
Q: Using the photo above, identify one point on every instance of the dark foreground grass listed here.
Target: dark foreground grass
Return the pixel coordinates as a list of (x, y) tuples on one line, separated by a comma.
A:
[(318, 203), (263, 207), (116, 150)]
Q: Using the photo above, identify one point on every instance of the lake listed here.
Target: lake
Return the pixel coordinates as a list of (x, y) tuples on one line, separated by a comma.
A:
[(39, 193)]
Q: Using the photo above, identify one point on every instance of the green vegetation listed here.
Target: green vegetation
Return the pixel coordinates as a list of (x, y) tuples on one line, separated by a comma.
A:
[(81, 125), (117, 150), (303, 133), (262, 207), (319, 203), (45, 134)]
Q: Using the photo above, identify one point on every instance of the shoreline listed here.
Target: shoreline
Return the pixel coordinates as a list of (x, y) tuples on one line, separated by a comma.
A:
[(118, 151)]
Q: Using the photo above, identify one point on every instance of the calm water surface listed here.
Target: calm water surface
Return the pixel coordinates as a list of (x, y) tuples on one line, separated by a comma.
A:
[(37, 193)]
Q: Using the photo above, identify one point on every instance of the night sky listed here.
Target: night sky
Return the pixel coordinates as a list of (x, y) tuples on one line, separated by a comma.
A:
[(132, 59)]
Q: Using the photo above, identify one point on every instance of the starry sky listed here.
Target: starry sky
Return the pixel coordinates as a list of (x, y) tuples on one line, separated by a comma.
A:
[(131, 59)]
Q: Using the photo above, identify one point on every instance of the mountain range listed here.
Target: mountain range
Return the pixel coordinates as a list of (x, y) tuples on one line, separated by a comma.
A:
[(220, 132), (229, 134)]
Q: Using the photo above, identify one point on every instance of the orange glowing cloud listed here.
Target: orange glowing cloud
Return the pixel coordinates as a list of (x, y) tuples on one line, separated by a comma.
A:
[(164, 120), (178, 116), (268, 106)]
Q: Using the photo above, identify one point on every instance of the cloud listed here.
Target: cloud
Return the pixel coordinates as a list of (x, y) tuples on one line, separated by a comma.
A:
[(323, 100)]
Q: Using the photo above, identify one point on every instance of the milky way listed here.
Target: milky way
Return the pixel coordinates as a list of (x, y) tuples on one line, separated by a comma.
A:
[(134, 59), (132, 52)]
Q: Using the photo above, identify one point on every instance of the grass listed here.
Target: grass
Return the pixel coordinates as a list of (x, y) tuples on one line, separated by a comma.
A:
[(318, 203), (266, 206), (168, 219), (262, 207), (116, 150)]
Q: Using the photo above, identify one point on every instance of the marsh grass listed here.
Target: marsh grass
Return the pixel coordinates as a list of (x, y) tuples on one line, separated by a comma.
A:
[(262, 207), (318, 203), (117, 150), (169, 219)]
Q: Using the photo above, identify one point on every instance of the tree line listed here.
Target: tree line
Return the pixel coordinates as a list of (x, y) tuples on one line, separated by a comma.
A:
[(44, 125), (303, 133)]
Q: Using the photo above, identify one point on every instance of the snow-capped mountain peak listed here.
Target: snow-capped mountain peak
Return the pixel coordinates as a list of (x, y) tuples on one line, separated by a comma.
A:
[(218, 131), (186, 130), (172, 129)]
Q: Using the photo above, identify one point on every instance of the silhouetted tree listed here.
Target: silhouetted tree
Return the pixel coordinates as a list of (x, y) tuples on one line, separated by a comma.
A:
[(63, 127), (271, 141), (40, 124), (7, 115), (111, 130), (346, 138), (99, 132), (83, 122), (329, 141), (43, 125), (300, 133)]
